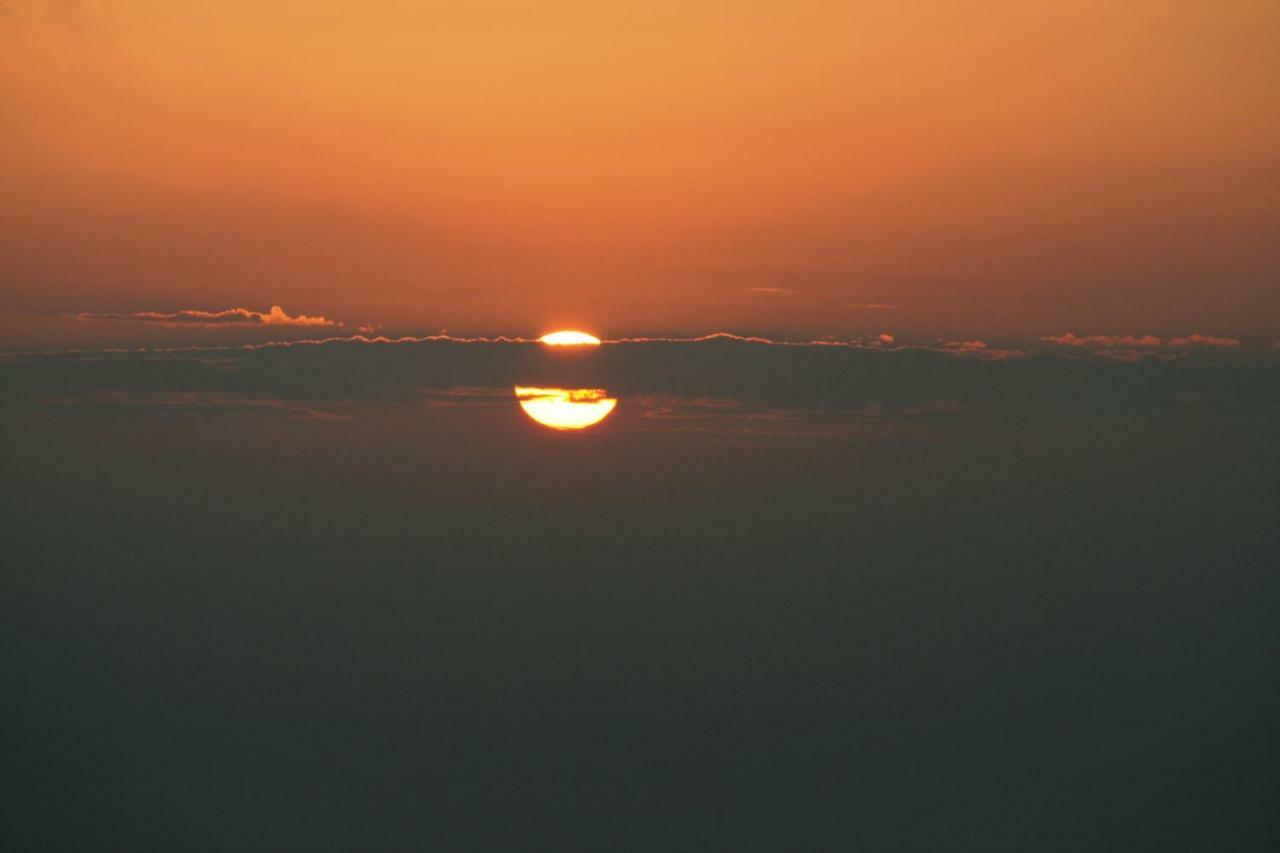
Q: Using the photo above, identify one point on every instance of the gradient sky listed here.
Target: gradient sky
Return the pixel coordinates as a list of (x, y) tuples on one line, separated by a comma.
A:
[(1002, 170), (961, 535)]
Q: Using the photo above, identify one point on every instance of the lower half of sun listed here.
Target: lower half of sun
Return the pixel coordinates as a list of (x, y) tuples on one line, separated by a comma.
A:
[(566, 408)]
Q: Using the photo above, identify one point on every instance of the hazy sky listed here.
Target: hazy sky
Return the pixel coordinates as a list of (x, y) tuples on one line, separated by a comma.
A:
[(996, 169)]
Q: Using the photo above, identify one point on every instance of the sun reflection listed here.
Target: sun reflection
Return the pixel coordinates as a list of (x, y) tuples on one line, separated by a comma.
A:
[(567, 338), (566, 408)]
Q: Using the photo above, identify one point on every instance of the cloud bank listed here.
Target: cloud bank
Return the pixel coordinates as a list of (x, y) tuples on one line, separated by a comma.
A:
[(745, 376)]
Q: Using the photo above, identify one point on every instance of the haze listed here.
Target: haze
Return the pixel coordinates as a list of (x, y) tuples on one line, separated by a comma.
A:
[(944, 169)]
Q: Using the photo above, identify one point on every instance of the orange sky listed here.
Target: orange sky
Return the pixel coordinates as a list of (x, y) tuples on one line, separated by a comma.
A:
[(979, 168)]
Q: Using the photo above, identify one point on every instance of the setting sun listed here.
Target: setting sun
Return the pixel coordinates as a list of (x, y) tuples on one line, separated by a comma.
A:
[(568, 338), (566, 408)]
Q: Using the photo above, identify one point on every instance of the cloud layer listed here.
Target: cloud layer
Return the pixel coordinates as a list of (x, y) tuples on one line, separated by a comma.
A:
[(755, 375)]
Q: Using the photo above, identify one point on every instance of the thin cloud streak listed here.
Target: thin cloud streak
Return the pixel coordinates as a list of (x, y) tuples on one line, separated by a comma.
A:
[(1112, 342), (980, 349), (853, 343), (1105, 347), (214, 319), (1204, 341), (301, 342), (885, 342), (197, 402)]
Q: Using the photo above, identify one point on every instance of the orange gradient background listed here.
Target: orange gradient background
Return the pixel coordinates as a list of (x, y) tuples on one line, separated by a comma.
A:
[(810, 168)]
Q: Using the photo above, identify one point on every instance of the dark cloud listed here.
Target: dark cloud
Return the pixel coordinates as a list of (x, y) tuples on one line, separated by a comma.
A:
[(659, 405), (722, 374), (195, 402)]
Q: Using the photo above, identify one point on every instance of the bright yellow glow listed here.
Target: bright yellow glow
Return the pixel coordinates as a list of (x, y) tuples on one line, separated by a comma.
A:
[(566, 408), (569, 338)]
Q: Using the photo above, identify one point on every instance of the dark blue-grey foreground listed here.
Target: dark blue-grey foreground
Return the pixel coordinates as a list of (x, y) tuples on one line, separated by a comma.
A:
[(232, 621)]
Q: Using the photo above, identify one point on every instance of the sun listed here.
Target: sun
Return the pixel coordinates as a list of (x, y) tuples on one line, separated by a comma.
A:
[(566, 408), (569, 338)]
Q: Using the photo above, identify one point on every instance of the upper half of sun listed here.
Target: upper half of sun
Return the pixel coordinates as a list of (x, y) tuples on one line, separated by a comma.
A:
[(569, 338)]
